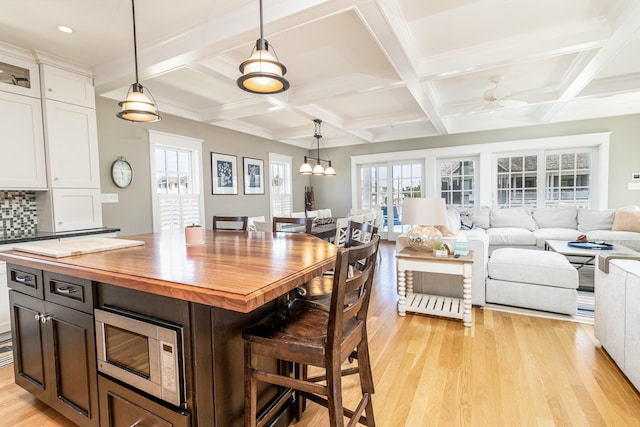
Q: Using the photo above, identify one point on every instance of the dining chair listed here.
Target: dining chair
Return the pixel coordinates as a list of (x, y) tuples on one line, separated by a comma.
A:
[(288, 224), (266, 227), (309, 334), (236, 223), (251, 222)]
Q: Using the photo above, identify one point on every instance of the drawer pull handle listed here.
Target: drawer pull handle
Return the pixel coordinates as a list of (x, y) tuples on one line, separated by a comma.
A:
[(66, 290), (24, 278)]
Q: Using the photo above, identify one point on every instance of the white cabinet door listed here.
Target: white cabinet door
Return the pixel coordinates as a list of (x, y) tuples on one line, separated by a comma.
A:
[(5, 319), (76, 209), (19, 76), (72, 145), (65, 86), (22, 159)]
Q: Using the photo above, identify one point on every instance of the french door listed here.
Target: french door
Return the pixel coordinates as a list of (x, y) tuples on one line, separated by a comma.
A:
[(384, 186)]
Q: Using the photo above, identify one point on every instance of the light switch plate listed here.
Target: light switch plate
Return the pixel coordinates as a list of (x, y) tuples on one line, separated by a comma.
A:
[(109, 197)]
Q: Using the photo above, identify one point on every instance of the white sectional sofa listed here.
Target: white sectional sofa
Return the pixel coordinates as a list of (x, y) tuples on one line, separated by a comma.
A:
[(527, 228)]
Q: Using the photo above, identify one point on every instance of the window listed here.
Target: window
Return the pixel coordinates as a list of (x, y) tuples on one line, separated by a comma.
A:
[(281, 194), (177, 196), (457, 182), (517, 181), (568, 179), (547, 178)]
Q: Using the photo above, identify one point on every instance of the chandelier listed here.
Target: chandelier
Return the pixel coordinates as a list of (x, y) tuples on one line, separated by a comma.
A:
[(318, 169)]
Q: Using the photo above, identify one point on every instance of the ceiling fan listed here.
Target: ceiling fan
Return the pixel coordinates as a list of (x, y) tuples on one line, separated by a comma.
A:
[(499, 96)]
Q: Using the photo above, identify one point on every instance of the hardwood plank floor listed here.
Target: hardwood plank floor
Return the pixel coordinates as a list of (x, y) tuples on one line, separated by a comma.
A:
[(506, 370)]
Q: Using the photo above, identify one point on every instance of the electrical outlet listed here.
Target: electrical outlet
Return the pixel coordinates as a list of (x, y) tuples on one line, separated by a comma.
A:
[(109, 197)]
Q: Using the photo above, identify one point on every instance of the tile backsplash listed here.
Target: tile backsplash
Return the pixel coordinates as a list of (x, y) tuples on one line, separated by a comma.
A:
[(18, 214)]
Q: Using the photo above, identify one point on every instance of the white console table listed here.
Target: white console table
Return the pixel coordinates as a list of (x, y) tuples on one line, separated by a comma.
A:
[(409, 260)]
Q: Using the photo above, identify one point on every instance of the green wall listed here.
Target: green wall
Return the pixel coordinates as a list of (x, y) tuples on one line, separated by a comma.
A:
[(624, 155), (132, 214)]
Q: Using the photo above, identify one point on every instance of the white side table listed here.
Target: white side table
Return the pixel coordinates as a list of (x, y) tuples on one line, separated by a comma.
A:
[(409, 260)]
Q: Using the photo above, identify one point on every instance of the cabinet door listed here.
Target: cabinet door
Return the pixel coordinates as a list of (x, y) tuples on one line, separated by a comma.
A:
[(26, 78), (72, 362), (29, 342), (65, 86), (72, 145), (22, 163), (120, 406), (5, 322), (76, 209)]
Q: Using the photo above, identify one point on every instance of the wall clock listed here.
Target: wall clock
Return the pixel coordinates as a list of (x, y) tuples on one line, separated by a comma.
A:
[(121, 173)]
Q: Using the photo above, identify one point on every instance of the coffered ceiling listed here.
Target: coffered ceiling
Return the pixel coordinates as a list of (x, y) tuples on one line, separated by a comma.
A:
[(372, 70)]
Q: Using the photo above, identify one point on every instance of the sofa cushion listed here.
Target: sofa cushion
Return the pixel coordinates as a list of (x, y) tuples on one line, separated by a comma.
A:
[(626, 221), (594, 219), (629, 239), (511, 236), (532, 266), (543, 234), (513, 217), (556, 217)]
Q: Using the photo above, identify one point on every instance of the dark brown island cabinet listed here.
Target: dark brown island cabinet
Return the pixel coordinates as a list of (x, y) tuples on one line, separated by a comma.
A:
[(195, 301)]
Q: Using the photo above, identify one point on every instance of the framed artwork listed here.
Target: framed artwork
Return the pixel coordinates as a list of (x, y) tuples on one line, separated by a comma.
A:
[(253, 176), (224, 174)]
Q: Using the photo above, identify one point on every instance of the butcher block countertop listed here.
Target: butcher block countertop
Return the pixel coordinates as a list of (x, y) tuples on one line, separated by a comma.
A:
[(238, 271)]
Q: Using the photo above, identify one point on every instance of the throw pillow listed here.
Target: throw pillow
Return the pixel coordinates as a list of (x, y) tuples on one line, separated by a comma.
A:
[(513, 217), (595, 219), (466, 223), (626, 221), (480, 216), (453, 220)]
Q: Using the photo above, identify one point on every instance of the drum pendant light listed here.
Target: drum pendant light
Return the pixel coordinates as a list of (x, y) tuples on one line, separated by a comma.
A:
[(262, 73), (137, 107)]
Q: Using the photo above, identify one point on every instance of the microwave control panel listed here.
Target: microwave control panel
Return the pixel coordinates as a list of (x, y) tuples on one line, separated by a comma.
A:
[(169, 366)]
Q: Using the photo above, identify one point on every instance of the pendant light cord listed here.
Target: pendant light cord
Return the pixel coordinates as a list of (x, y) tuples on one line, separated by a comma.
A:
[(135, 44)]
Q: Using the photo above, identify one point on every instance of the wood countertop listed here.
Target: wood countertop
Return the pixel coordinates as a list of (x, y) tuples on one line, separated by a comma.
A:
[(238, 271)]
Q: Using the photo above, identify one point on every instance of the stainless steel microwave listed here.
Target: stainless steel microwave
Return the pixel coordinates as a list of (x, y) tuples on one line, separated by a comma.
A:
[(143, 352)]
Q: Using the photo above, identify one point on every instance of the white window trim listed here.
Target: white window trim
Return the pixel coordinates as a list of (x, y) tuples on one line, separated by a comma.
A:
[(485, 152), (279, 158), (168, 140)]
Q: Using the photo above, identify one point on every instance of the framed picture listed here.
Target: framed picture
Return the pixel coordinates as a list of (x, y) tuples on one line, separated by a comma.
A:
[(224, 174), (253, 176)]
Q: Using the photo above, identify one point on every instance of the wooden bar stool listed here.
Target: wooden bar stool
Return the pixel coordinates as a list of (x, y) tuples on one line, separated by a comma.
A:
[(309, 334)]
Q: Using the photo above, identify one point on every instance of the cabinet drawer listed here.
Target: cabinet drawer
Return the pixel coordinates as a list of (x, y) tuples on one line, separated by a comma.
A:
[(120, 406), (69, 291), (25, 280)]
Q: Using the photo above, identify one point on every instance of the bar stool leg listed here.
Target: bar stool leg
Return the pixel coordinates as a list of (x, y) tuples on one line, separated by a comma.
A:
[(250, 388)]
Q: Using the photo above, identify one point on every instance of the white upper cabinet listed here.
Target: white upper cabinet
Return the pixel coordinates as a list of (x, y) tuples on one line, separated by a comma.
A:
[(22, 157), (72, 145), (19, 76), (65, 86)]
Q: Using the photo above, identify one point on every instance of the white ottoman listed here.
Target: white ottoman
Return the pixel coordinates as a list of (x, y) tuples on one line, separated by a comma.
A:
[(534, 279)]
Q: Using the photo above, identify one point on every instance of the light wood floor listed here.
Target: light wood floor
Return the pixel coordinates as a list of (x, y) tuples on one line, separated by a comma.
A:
[(507, 370)]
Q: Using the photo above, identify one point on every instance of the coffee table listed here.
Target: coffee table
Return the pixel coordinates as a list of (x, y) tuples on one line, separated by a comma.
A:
[(586, 255)]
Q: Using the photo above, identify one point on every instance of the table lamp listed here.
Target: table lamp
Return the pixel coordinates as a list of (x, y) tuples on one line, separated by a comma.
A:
[(424, 214)]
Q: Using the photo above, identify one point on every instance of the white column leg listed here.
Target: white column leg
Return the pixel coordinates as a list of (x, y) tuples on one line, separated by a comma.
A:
[(402, 299), (467, 314)]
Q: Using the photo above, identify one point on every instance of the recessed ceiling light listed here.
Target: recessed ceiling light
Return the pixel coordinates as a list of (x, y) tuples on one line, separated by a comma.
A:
[(65, 29)]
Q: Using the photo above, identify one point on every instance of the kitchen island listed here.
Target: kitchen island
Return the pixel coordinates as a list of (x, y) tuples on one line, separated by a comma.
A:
[(212, 290)]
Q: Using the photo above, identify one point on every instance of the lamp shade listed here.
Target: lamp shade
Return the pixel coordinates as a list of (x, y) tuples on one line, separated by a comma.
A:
[(420, 211)]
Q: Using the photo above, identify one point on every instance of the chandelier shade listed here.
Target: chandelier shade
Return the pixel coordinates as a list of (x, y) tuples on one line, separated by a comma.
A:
[(137, 106), (262, 73), (318, 169)]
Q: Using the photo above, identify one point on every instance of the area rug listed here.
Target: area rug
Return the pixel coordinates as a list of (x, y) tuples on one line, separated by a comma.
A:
[(6, 353)]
